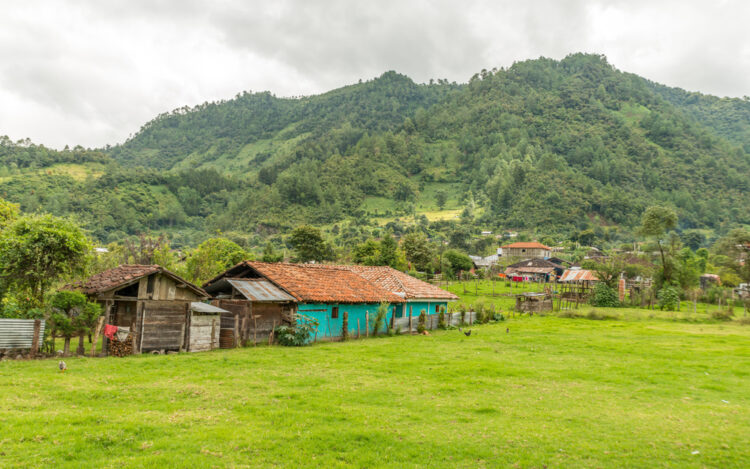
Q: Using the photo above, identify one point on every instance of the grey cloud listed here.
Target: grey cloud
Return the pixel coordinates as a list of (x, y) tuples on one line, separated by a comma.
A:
[(80, 71)]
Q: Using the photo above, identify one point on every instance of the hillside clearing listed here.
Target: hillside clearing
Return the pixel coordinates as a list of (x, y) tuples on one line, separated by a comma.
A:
[(552, 391)]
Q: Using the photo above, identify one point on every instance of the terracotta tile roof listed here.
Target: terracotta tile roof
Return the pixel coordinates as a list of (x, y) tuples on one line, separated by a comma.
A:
[(332, 284), (123, 275), (525, 245), (400, 283)]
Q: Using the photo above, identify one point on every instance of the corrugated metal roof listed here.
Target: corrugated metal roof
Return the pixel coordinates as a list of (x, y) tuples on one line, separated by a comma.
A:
[(18, 333), (199, 307), (260, 290), (578, 275)]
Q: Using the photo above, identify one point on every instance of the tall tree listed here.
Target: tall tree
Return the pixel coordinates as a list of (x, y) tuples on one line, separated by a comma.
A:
[(38, 250), (309, 245), (212, 257), (417, 250), (656, 222)]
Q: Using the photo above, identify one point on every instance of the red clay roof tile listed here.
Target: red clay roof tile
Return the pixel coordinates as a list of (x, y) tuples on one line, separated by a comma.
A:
[(113, 278), (311, 283)]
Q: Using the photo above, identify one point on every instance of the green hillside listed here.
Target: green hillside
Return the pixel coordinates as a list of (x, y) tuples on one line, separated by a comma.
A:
[(548, 147)]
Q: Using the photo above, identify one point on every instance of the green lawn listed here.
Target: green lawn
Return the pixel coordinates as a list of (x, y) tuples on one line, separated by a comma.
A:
[(552, 392)]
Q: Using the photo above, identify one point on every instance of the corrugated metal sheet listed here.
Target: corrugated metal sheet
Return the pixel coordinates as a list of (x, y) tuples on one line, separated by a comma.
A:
[(199, 307), (18, 333), (578, 275), (260, 290)]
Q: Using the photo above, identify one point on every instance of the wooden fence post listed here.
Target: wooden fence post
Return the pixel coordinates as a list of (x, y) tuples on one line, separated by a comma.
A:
[(35, 339), (99, 325), (271, 334), (410, 310), (358, 328), (236, 330), (244, 328), (345, 326), (367, 324)]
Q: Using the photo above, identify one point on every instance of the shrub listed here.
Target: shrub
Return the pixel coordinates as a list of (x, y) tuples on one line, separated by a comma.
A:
[(298, 334), (441, 318), (669, 298), (724, 315), (378, 319), (604, 296), (422, 321)]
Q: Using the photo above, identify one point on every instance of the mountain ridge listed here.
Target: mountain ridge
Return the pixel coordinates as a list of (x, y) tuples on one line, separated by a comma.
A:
[(546, 146)]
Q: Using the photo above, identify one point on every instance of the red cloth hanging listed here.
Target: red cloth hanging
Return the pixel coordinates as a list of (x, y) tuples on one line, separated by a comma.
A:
[(109, 331)]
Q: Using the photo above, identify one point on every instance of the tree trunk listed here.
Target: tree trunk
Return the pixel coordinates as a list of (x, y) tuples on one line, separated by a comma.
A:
[(66, 347), (81, 349)]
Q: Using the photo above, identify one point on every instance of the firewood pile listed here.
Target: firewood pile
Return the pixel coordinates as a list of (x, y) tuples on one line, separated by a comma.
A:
[(117, 348)]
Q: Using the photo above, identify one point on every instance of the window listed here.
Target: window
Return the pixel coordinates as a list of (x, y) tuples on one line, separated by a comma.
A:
[(335, 312), (150, 284), (437, 309)]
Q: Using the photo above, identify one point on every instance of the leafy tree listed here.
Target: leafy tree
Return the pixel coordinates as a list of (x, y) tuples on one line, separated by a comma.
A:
[(608, 272), (147, 250), (38, 250), (441, 197), (8, 212), (212, 257), (417, 250), (604, 295), (367, 253), (669, 298), (457, 261), (656, 222), (270, 255), (308, 245), (389, 253), (70, 313)]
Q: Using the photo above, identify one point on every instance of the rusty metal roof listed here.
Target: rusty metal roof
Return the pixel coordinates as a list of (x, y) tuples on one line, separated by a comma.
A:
[(260, 290), (578, 275)]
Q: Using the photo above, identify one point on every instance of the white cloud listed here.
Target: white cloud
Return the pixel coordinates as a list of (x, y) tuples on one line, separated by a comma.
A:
[(91, 73)]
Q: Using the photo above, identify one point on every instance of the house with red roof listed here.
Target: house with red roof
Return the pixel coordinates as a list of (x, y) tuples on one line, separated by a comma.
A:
[(273, 292), (525, 250), (154, 306)]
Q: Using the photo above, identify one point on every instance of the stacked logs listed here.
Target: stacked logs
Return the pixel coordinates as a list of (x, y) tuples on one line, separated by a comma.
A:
[(118, 348)]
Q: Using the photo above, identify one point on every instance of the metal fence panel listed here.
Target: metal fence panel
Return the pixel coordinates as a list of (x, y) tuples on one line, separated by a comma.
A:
[(18, 333)]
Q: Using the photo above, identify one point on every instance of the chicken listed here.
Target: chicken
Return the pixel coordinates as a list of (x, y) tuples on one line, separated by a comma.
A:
[(507, 330), (467, 333), (62, 366)]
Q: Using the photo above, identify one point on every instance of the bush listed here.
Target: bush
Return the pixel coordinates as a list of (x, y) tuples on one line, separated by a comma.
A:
[(724, 315), (441, 318), (298, 334), (378, 319), (604, 296), (669, 298), (422, 321)]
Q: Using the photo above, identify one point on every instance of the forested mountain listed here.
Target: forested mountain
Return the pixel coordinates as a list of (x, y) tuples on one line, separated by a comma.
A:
[(550, 147)]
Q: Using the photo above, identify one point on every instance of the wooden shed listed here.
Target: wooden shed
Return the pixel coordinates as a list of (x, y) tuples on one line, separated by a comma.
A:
[(254, 306), (150, 300)]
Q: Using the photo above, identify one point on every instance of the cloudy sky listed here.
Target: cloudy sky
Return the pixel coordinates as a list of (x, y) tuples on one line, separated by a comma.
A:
[(92, 72)]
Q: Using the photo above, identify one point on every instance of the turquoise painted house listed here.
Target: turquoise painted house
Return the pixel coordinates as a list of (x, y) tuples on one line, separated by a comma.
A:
[(326, 292), (418, 295)]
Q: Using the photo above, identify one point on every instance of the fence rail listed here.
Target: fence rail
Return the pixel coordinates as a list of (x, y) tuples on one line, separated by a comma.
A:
[(18, 333), (451, 319)]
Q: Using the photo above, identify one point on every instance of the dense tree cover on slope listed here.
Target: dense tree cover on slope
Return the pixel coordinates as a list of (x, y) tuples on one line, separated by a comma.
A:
[(225, 127), (728, 117), (570, 148)]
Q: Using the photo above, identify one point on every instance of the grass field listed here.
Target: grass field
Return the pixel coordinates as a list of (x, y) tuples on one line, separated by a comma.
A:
[(551, 392)]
